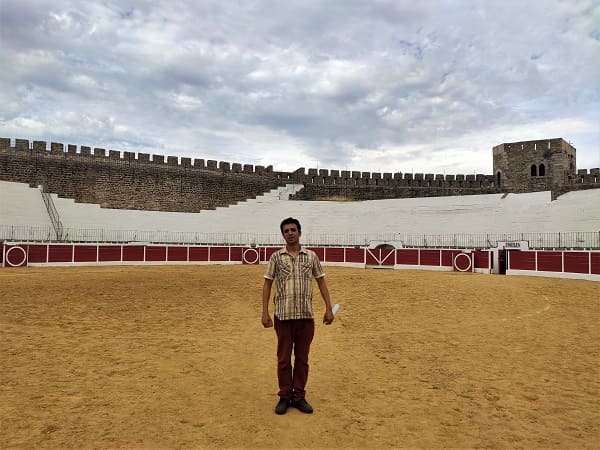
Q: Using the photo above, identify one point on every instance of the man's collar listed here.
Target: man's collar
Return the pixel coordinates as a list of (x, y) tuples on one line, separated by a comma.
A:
[(285, 250)]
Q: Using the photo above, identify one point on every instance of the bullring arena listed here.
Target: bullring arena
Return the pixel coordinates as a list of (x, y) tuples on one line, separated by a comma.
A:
[(465, 322)]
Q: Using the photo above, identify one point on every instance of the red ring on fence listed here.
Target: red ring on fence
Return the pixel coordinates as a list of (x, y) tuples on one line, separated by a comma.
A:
[(256, 256), (457, 263), (22, 262)]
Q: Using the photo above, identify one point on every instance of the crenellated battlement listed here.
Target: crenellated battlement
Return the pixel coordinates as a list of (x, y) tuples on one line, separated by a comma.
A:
[(71, 151), (130, 180)]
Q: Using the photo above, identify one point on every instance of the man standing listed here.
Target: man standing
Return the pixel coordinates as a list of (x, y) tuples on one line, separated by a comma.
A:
[(293, 268)]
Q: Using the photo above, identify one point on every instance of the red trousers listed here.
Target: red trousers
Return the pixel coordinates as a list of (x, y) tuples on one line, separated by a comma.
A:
[(295, 335)]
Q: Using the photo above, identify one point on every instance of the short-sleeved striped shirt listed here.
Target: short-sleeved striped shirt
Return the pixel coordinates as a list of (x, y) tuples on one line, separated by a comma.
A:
[(293, 280)]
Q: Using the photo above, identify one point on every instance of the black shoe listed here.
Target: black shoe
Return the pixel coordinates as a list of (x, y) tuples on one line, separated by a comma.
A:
[(303, 406), (282, 406)]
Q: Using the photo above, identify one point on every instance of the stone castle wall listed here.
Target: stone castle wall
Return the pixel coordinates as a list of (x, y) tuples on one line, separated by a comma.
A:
[(124, 181), (154, 182)]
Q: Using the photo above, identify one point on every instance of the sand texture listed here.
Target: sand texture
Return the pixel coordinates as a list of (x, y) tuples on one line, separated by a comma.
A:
[(176, 357)]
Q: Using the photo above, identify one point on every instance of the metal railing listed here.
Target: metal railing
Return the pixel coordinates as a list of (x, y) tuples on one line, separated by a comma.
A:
[(52, 212), (576, 240)]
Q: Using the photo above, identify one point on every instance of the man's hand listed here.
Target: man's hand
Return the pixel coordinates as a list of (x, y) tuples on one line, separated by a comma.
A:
[(266, 320), (328, 317)]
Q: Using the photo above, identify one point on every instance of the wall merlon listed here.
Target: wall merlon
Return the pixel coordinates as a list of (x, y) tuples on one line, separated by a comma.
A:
[(186, 162), (22, 144), (172, 161), (86, 151), (418, 177), (248, 168), (595, 171), (480, 177), (429, 177), (346, 174), (439, 177), (129, 156), (199, 164), (398, 176), (450, 177), (387, 175), (269, 169), (144, 157), (4, 144), (158, 159), (376, 176), (460, 177), (100, 153), (224, 166), (582, 171), (112, 154), (57, 148), (211, 164), (236, 168), (39, 147), (335, 173), (408, 176), (313, 172), (323, 172), (71, 149), (470, 178), (355, 174), (259, 170)]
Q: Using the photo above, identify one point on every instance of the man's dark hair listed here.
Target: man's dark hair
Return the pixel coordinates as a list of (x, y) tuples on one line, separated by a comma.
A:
[(288, 221)]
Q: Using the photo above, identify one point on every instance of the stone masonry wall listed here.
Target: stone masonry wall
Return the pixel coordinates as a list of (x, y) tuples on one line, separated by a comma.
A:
[(154, 182), (123, 181)]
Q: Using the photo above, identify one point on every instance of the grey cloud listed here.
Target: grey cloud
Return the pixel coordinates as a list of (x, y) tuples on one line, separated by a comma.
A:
[(336, 78)]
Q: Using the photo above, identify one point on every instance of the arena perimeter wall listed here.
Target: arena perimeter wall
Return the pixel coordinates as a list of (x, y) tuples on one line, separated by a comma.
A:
[(560, 264)]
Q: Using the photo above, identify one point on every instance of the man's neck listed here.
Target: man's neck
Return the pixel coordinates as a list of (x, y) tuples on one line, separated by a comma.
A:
[(293, 249)]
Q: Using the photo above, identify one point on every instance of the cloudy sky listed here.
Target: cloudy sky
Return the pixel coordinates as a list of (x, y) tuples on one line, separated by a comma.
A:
[(379, 85)]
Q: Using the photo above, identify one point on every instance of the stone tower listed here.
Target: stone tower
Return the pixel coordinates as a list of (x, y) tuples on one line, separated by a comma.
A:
[(542, 165)]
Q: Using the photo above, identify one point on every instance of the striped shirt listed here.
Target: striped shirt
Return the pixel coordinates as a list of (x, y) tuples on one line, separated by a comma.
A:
[(293, 279)]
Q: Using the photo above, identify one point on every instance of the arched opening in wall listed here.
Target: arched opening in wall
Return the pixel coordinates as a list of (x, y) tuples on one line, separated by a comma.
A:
[(335, 181), (498, 178), (376, 181), (533, 170), (312, 180), (542, 170), (571, 167)]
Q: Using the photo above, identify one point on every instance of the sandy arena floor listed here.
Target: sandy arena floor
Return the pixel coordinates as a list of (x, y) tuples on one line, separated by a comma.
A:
[(176, 357)]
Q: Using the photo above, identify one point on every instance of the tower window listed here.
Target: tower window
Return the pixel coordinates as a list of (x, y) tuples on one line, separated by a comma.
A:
[(533, 171), (542, 170)]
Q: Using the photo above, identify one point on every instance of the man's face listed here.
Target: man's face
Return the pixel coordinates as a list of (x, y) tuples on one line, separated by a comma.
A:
[(291, 233)]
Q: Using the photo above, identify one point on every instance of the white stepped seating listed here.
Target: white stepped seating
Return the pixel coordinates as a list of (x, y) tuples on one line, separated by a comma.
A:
[(531, 212), (21, 205)]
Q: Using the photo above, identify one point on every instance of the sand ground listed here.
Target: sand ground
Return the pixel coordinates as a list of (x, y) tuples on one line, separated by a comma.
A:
[(176, 357)]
